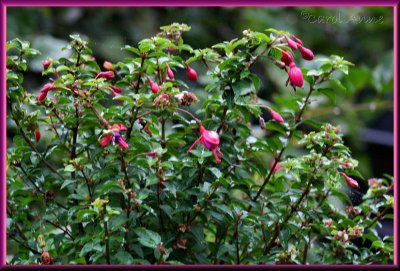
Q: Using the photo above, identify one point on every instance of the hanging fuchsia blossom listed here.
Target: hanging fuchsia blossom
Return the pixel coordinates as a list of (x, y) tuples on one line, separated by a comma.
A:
[(191, 73), (275, 115), (350, 181), (153, 86), (297, 40), (170, 73), (106, 75), (291, 43), (210, 140), (306, 53), (43, 92), (287, 58), (295, 75), (114, 135)]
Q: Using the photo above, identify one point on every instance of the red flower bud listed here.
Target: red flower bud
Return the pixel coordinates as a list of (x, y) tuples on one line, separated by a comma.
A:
[(106, 75), (291, 43), (153, 86), (46, 63), (107, 65), (287, 57), (277, 167), (151, 153), (42, 96), (276, 116), (295, 76), (307, 54), (47, 87), (116, 89), (347, 164), (170, 73), (350, 181), (37, 135), (297, 40), (191, 73), (162, 181)]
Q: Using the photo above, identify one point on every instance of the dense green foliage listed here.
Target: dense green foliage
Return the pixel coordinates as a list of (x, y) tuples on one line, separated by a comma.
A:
[(73, 200)]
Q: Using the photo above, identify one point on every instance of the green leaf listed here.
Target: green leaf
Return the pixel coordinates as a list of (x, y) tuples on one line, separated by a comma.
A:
[(328, 92), (69, 168), (148, 238)]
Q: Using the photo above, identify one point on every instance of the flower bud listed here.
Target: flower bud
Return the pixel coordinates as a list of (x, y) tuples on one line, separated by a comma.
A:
[(295, 76), (46, 258), (261, 122), (170, 73), (287, 57), (116, 89), (107, 65), (297, 40), (37, 135), (291, 43), (350, 181), (276, 116), (46, 63), (106, 75), (191, 73), (151, 154), (307, 54), (153, 86), (41, 97)]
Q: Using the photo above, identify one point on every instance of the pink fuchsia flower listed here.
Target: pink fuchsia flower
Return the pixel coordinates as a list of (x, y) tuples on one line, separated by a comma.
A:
[(350, 181), (210, 141), (114, 135), (191, 73), (170, 73), (287, 58), (277, 167), (375, 183), (153, 86), (295, 76), (347, 164), (328, 222), (276, 116), (306, 53), (291, 43), (106, 75)]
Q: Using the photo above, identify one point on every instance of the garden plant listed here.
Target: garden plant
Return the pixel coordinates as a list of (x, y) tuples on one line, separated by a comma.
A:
[(111, 163)]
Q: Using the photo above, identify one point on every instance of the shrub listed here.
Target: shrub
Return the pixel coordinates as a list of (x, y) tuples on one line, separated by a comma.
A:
[(112, 165)]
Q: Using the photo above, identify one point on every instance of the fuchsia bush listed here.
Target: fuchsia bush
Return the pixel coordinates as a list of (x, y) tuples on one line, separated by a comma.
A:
[(106, 168)]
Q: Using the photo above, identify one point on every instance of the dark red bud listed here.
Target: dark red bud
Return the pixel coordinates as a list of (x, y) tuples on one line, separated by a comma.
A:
[(170, 73), (46, 63), (307, 54), (116, 89), (37, 135), (106, 75), (191, 73), (295, 76)]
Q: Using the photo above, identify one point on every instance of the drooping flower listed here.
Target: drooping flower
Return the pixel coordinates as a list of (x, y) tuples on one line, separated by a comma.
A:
[(210, 140), (275, 115), (113, 134), (287, 58), (170, 73), (106, 75), (350, 181), (306, 53), (295, 75), (191, 73), (291, 43), (153, 86)]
